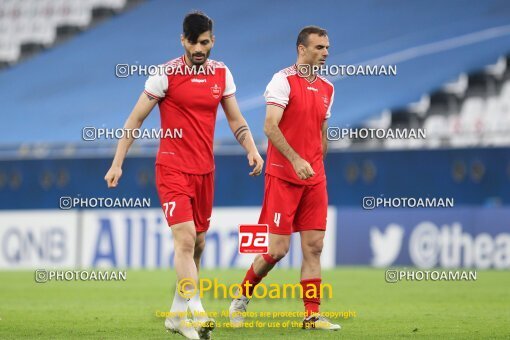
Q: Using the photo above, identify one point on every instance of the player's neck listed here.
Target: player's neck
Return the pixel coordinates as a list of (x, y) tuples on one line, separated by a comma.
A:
[(311, 77)]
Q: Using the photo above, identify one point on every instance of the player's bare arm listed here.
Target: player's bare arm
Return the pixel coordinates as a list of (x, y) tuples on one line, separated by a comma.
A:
[(324, 138), (242, 133), (135, 120), (274, 114)]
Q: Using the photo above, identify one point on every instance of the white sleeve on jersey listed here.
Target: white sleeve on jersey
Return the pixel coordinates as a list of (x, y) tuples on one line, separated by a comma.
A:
[(278, 91), (156, 86), (328, 113), (230, 86)]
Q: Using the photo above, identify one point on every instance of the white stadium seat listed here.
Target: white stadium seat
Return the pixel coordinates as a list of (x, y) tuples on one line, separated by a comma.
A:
[(114, 4), (466, 127), (36, 21), (505, 92), (75, 13), (471, 115), (9, 50), (497, 122), (436, 128), (43, 32)]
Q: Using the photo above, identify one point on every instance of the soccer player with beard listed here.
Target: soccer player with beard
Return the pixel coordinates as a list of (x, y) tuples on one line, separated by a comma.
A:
[(188, 102), (298, 104)]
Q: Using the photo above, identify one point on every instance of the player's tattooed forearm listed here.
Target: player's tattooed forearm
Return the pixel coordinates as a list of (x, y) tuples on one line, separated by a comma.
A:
[(239, 130), (242, 137), (241, 133)]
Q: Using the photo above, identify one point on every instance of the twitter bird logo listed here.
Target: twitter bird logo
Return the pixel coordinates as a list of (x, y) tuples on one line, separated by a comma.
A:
[(386, 246)]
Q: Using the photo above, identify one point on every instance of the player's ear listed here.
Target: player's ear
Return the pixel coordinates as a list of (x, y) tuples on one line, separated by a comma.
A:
[(212, 40), (300, 50), (182, 40)]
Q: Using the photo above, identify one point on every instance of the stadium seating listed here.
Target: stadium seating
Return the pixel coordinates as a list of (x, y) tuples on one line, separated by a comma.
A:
[(429, 53), (462, 114), (37, 21)]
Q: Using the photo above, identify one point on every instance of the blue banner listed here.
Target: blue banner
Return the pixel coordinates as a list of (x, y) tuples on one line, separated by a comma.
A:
[(425, 238)]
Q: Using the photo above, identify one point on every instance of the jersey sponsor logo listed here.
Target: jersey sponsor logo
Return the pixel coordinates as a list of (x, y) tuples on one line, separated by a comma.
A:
[(216, 91), (196, 80), (253, 239), (311, 88), (277, 217)]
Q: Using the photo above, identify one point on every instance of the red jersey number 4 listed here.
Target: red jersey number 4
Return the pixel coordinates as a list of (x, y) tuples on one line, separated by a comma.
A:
[(253, 238)]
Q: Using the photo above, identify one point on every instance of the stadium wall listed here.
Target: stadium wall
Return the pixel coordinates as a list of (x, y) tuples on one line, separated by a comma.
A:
[(36, 233)]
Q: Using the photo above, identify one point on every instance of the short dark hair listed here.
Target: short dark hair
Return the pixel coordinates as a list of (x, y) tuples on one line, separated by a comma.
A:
[(194, 24), (302, 38)]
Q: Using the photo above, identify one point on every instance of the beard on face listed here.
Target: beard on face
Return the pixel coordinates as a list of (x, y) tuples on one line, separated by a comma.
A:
[(204, 56)]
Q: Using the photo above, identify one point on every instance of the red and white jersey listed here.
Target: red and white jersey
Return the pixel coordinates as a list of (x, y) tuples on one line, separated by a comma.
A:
[(188, 103), (306, 105)]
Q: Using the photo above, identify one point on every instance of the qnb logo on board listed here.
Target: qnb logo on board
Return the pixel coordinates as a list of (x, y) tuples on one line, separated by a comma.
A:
[(25, 246)]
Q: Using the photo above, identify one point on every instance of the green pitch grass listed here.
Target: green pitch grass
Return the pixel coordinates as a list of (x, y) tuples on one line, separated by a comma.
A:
[(120, 310)]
